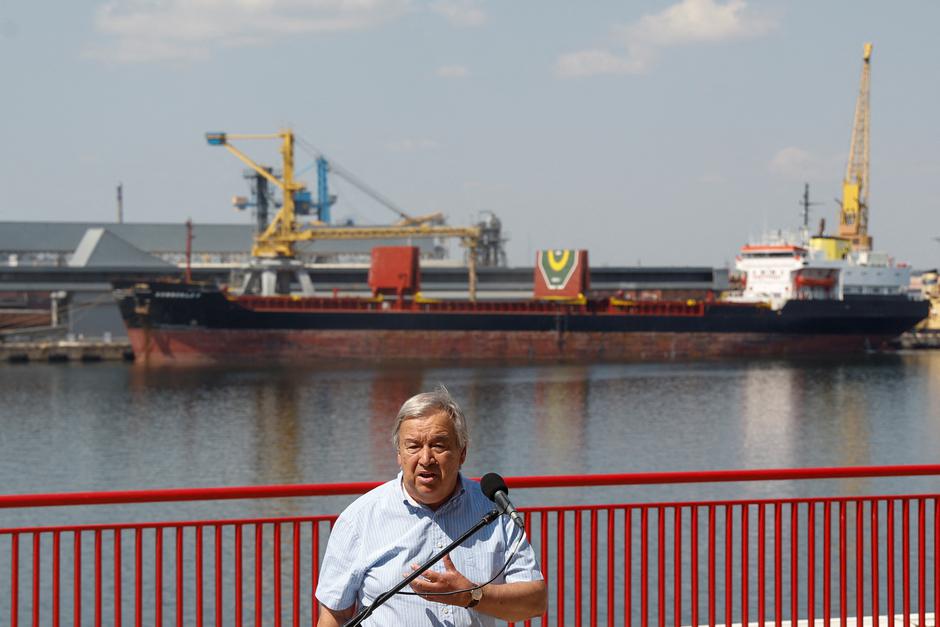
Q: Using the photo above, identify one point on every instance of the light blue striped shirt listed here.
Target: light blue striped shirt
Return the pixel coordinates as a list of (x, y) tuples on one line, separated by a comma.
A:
[(376, 540)]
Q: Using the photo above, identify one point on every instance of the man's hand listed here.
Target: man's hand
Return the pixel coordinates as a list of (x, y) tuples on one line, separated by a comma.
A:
[(447, 581), (508, 601)]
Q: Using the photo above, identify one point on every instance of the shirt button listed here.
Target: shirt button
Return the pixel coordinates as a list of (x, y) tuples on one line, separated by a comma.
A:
[(440, 545)]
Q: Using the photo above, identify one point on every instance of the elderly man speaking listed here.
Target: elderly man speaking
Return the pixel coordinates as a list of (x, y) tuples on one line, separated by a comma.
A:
[(386, 533)]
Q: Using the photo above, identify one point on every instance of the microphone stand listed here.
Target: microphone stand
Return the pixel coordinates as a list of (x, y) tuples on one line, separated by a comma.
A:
[(365, 612)]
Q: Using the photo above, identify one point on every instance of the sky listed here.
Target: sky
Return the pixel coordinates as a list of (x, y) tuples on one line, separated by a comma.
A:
[(657, 133)]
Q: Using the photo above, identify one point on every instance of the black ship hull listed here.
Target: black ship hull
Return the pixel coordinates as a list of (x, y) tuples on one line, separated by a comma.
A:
[(185, 323)]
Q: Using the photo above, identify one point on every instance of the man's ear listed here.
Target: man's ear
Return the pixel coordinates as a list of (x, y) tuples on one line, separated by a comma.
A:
[(463, 455)]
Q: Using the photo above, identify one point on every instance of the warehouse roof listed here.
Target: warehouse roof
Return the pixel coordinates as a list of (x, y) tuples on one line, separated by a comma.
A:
[(157, 238)]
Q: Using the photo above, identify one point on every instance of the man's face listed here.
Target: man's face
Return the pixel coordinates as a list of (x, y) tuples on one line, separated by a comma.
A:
[(430, 458)]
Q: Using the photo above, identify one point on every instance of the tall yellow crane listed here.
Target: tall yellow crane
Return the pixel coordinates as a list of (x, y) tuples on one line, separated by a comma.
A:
[(853, 218), (278, 240)]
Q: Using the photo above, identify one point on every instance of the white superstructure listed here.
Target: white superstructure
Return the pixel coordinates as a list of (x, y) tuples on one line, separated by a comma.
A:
[(778, 271)]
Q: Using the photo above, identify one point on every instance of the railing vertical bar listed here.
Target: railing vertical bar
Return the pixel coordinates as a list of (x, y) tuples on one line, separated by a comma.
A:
[(158, 576), (906, 557), (561, 567), (259, 572), (117, 577), (238, 575), (314, 570), (794, 563), (56, 582), (527, 527), (693, 562), (295, 588), (577, 567), (827, 563), (276, 573), (644, 567), (594, 560), (778, 563), (14, 578), (179, 577), (218, 575), (627, 566), (811, 563), (889, 558), (762, 564), (661, 565), (138, 578), (677, 565), (97, 577), (745, 562), (77, 575), (543, 520), (843, 565), (859, 561), (611, 553), (875, 591), (921, 560), (936, 559), (711, 566), (198, 574), (37, 548), (729, 562)]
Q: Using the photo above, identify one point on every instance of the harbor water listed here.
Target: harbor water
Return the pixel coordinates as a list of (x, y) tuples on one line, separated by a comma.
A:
[(113, 426)]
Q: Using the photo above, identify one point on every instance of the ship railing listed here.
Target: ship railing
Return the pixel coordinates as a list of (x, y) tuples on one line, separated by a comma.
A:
[(861, 555)]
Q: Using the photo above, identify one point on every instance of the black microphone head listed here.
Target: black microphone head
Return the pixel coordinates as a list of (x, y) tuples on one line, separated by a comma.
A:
[(491, 483)]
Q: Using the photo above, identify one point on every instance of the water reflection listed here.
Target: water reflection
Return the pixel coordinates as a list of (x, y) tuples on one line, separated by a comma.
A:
[(766, 398), (278, 429), (111, 426), (561, 414)]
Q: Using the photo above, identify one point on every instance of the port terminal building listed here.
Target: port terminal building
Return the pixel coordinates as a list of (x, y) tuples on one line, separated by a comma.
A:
[(55, 277)]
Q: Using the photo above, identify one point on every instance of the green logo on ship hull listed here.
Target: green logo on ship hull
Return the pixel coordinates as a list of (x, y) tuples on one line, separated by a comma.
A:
[(557, 267)]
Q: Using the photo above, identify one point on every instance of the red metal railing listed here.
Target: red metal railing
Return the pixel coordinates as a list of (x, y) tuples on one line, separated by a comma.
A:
[(828, 560)]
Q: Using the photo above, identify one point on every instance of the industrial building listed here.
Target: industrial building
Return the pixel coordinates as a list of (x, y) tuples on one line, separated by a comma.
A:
[(56, 276)]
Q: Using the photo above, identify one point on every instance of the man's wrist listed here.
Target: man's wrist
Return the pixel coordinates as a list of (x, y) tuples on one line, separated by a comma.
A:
[(476, 595)]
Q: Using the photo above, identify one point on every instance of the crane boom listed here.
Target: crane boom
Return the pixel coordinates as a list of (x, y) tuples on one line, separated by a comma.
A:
[(853, 219), (279, 240)]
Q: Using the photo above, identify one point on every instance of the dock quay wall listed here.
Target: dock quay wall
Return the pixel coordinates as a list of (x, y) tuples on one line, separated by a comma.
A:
[(57, 351)]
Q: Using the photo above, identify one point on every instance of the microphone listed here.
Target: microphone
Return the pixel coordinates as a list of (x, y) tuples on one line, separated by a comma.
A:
[(494, 488)]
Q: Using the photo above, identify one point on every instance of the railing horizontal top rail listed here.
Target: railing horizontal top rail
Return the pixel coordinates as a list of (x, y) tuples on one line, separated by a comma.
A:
[(118, 497)]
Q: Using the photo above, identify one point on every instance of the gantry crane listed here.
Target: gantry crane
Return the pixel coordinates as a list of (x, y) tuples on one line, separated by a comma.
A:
[(853, 218), (276, 244)]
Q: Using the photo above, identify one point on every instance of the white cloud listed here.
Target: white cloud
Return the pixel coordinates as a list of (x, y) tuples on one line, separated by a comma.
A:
[(793, 162), (413, 145), (460, 12), (712, 178), (156, 30), (687, 22), (592, 62), (452, 71)]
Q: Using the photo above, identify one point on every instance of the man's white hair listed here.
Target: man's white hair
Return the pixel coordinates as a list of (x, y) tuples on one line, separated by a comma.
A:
[(429, 404)]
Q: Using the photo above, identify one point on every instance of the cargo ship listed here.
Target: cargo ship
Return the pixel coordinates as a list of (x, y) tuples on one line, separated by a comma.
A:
[(793, 302), (804, 296)]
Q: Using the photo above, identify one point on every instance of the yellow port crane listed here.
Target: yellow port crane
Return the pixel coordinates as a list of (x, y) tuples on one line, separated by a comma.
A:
[(279, 239), (853, 218)]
